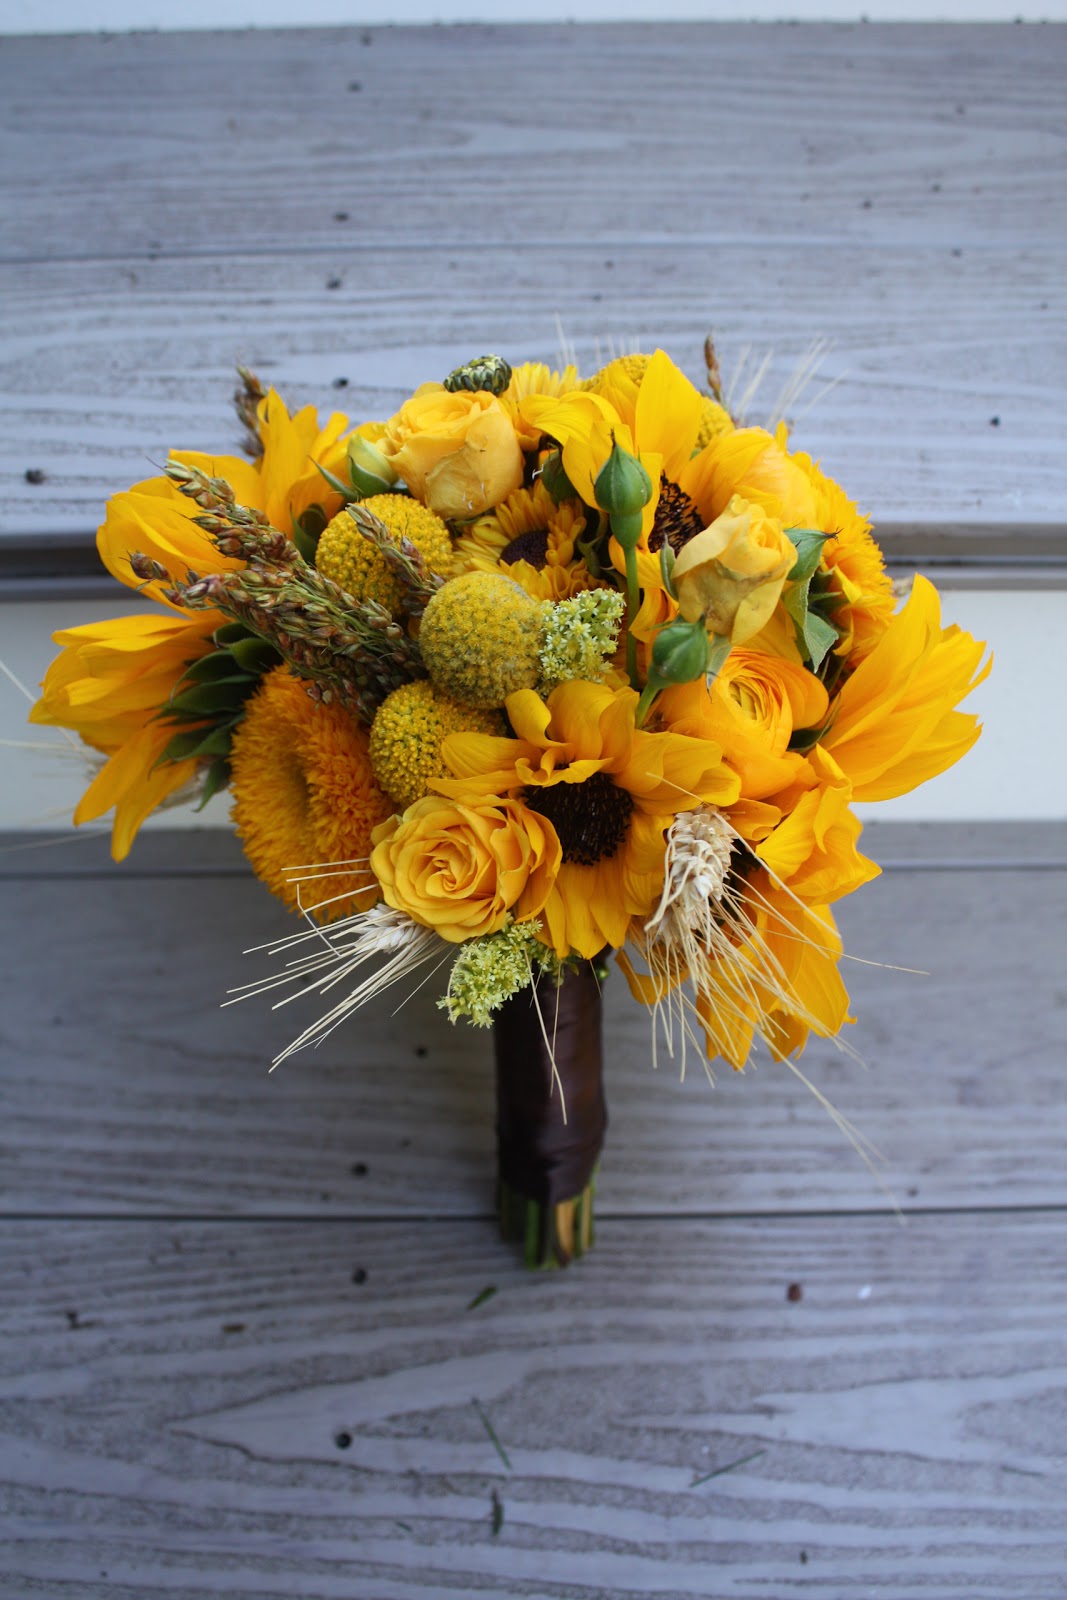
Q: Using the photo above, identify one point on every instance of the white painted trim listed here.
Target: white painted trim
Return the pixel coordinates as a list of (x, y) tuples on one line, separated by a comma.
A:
[(119, 16)]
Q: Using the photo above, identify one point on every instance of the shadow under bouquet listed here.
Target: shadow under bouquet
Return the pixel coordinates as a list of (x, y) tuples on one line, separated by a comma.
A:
[(536, 675)]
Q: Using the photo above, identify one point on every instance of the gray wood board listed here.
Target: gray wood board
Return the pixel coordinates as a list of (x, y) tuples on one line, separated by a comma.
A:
[(127, 1090), (199, 1410), (177, 202), (108, 365), (888, 138)]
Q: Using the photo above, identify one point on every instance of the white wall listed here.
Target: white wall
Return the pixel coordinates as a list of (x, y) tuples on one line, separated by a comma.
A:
[(86, 16), (1017, 770)]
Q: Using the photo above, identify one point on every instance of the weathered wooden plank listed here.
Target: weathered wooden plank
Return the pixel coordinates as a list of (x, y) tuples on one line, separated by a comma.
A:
[(109, 364), (887, 137), (126, 1089), (268, 1409)]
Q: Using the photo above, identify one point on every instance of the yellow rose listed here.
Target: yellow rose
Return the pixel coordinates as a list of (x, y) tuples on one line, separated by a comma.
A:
[(462, 868), (732, 574), (457, 453)]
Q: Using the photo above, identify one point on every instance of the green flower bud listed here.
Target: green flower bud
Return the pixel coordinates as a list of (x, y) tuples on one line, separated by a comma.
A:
[(370, 471), (556, 480), (679, 653), (489, 373), (623, 488)]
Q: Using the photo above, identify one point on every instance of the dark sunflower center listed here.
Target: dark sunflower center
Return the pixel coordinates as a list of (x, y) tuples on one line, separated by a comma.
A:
[(677, 518), (591, 818), (531, 547)]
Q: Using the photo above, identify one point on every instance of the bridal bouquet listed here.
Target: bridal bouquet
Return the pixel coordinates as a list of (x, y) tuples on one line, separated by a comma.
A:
[(538, 672)]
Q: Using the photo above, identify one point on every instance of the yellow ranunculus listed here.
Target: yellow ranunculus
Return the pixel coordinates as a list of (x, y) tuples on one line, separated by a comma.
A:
[(752, 709), (733, 573), (457, 453), (462, 869)]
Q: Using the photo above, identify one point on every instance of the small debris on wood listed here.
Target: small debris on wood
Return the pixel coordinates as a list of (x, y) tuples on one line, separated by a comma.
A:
[(233, 1327), (731, 1466), (359, 1275), (496, 1515), (994, 422), (864, 1293), (491, 1431), (794, 1293), (333, 283), (34, 475), (803, 1558), (482, 1296), (359, 1169), (342, 1439)]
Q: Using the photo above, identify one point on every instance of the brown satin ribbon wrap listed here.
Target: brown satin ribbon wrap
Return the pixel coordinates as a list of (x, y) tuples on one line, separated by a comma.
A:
[(541, 1156)]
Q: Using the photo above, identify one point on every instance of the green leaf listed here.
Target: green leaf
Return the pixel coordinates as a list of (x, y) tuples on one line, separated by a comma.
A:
[(666, 567), (718, 650), (181, 747), (809, 543), (218, 668), (229, 633), (195, 742), (820, 637), (216, 778), (337, 483), (306, 545), (208, 699), (815, 635), (805, 739), (255, 655)]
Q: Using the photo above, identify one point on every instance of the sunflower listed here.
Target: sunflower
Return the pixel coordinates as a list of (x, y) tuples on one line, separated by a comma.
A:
[(304, 795), (108, 684), (781, 983), (896, 723), (734, 947), (285, 483), (113, 678), (531, 378), (609, 790), (534, 540)]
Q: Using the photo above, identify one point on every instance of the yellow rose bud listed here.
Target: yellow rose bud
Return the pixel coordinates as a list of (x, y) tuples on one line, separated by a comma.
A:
[(462, 869), (457, 453), (732, 574), (369, 470)]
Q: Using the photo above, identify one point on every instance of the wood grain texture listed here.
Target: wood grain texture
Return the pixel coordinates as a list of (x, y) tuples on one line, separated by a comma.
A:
[(207, 1410), (109, 365), (126, 1090), (891, 137), (176, 203)]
